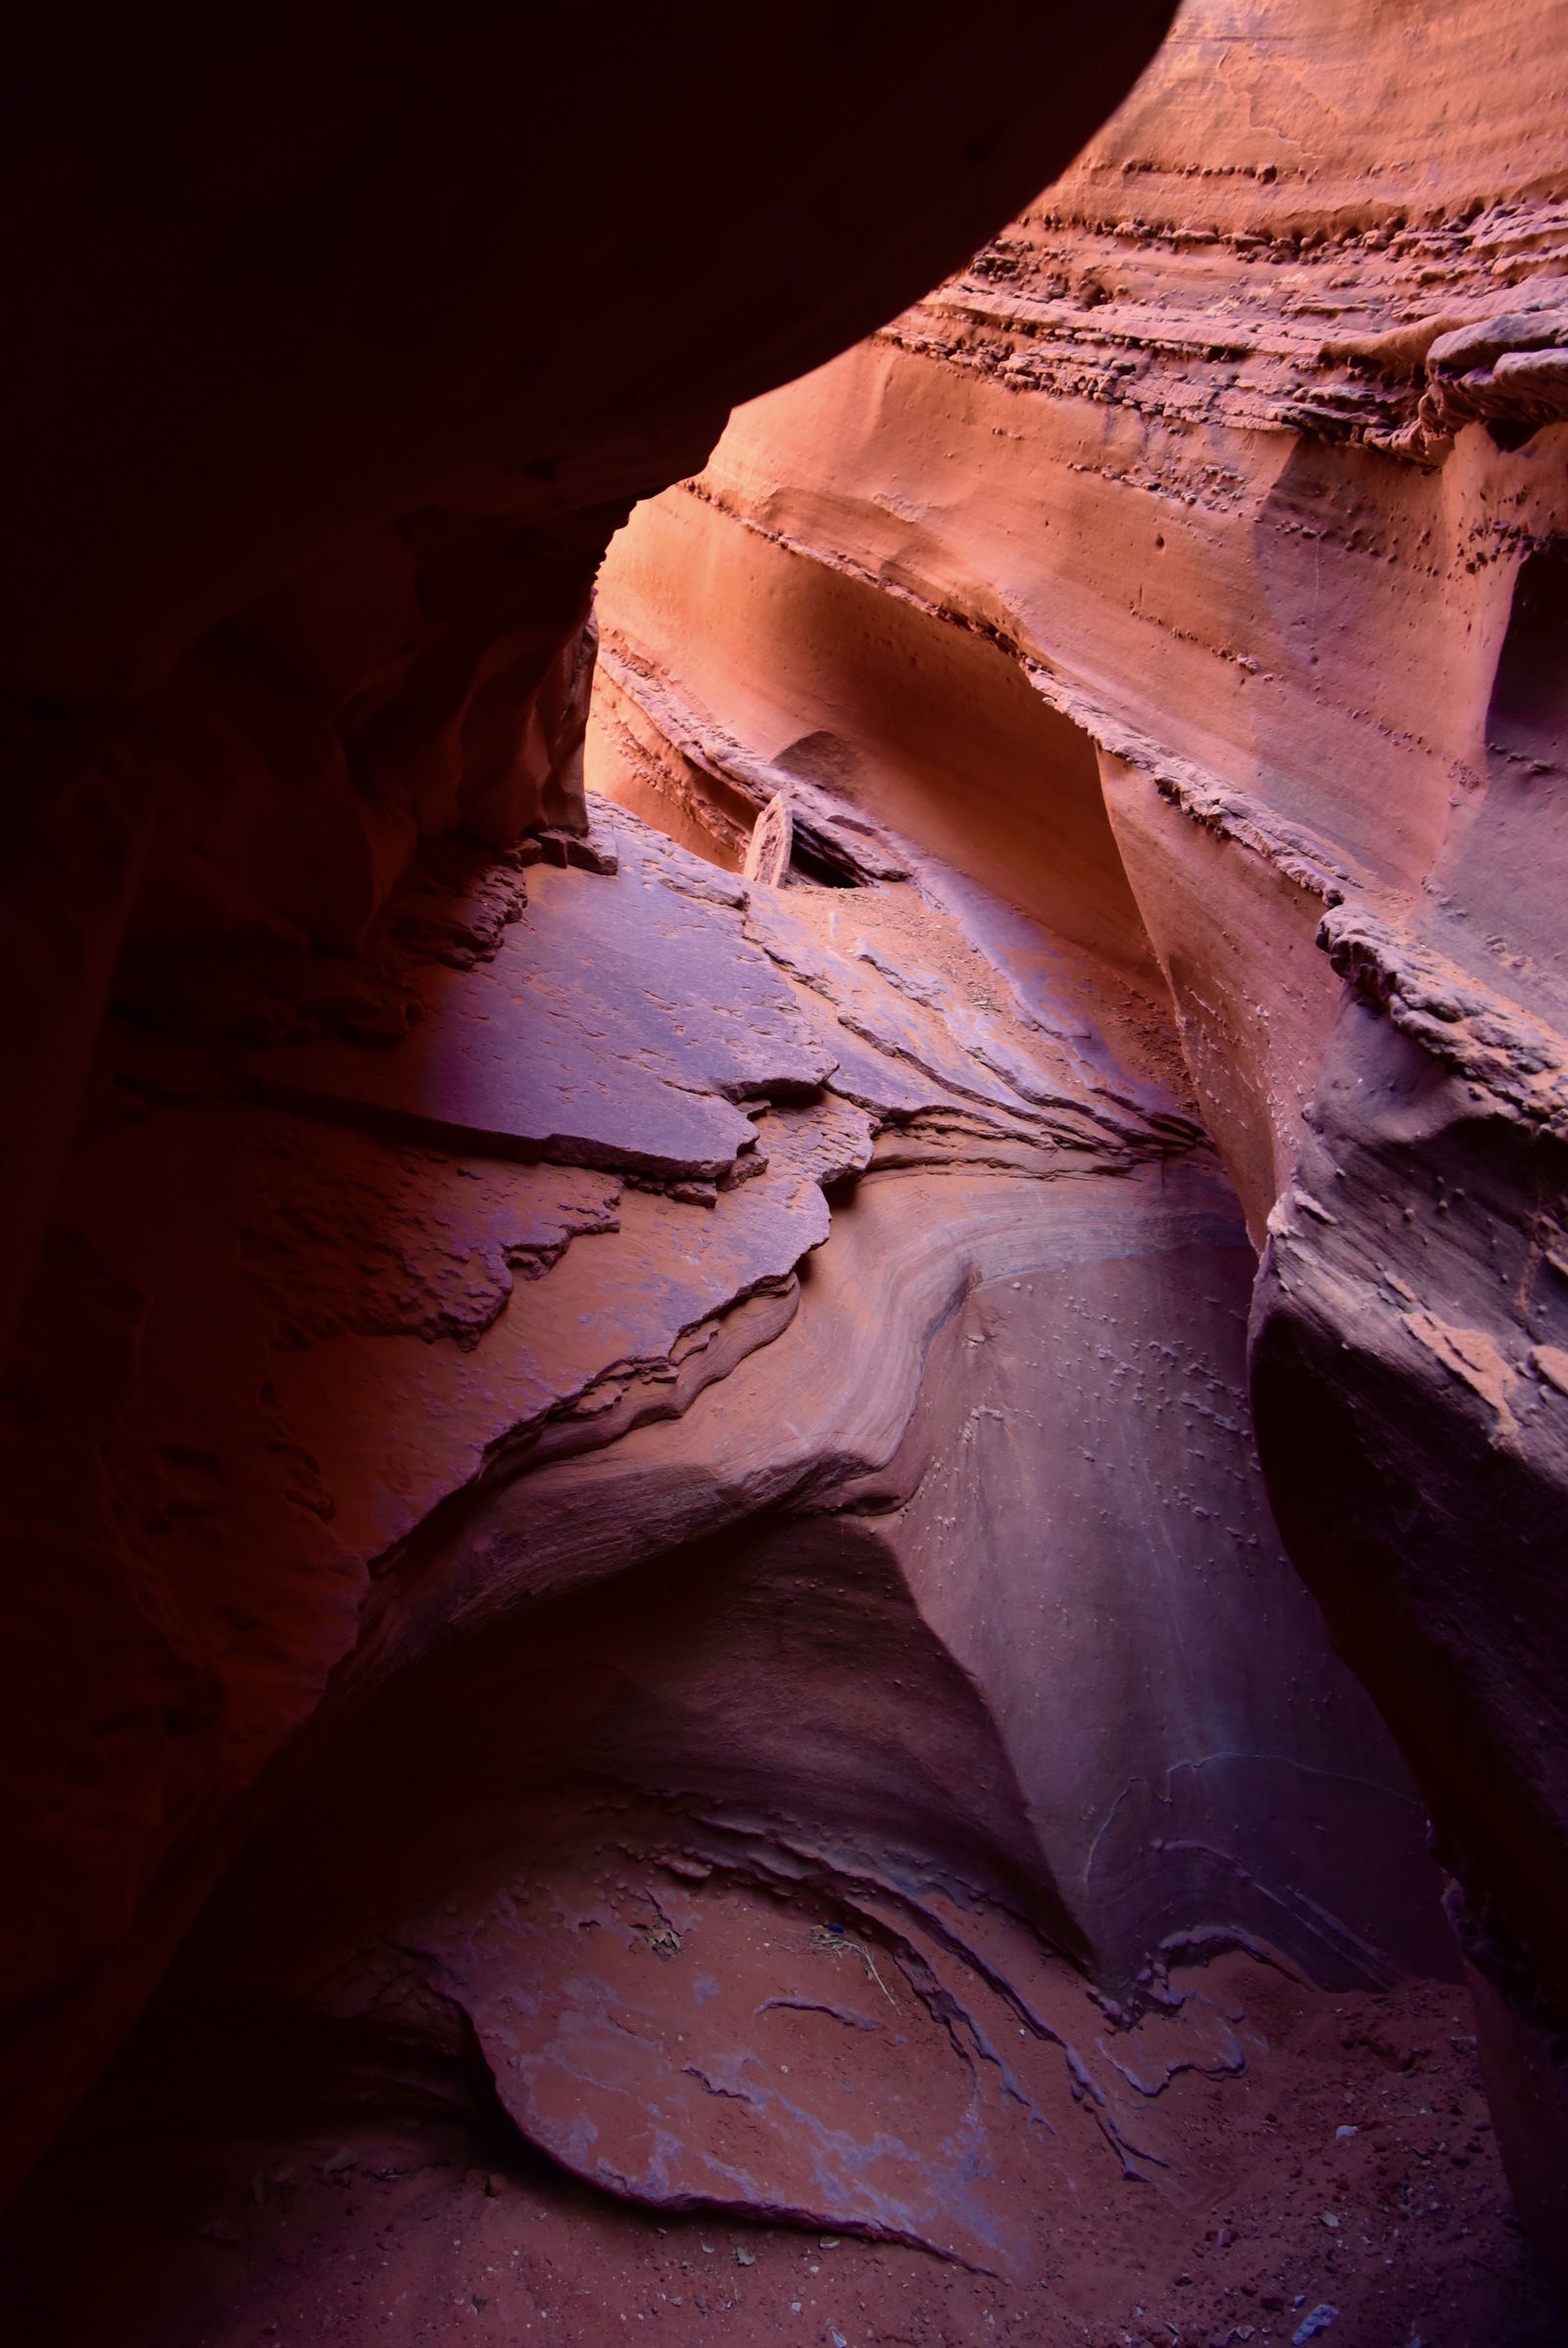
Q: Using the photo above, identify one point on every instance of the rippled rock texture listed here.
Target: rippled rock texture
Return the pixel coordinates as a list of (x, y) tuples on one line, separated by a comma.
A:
[(1199, 557), (341, 347), (719, 1512), (727, 1282)]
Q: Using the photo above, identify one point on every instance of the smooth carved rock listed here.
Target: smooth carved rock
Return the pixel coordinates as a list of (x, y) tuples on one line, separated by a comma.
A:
[(324, 1340), (960, 1641), (1300, 703), (815, 1722)]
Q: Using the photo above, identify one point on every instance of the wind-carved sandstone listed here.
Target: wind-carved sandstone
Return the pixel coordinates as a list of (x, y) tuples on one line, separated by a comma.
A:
[(696, 1364), (758, 1358), (1233, 490)]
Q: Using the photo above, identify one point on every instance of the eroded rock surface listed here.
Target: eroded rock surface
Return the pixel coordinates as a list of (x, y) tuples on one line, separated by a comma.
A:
[(1227, 491), (334, 382), (637, 1422), (852, 1463)]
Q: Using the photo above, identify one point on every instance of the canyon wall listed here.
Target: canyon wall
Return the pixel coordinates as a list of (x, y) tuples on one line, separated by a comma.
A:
[(661, 1507), (340, 349), (1196, 559), (715, 1591)]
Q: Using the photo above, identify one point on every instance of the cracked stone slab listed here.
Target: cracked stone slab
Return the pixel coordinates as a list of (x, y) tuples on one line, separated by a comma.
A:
[(618, 1025), (690, 2045), (785, 2039)]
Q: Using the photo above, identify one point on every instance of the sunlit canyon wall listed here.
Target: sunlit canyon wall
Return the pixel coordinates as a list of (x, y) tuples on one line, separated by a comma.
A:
[(1191, 570)]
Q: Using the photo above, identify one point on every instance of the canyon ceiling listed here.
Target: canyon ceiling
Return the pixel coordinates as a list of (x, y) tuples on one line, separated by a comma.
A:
[(786, 1262)]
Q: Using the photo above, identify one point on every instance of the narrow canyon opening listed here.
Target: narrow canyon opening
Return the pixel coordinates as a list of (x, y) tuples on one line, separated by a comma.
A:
[(787, 1425)]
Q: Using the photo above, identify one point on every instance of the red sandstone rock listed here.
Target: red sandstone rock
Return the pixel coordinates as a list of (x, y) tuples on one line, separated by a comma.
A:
[(339, 372), (616, 1024), (948, 1603), (341, 359), (1249, 484), (392, 1453), (527, 1534)]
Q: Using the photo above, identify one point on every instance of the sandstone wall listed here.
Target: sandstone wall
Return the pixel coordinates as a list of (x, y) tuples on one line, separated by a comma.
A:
[(339, 348), (343, 340), (1234, 471), (583, 1384)]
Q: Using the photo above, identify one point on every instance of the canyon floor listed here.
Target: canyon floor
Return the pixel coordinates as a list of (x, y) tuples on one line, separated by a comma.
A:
[(402, 2227)]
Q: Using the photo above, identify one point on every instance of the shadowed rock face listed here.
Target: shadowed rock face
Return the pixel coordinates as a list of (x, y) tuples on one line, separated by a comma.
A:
[(344, 349), (341, 349), (645, 1453), (1245, 484), (772, 1621)]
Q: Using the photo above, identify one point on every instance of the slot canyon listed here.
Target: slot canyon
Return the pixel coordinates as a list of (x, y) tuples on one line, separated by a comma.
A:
[(785, 1273)]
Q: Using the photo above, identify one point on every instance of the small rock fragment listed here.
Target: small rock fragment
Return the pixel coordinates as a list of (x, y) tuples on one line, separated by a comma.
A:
[(767, 855)]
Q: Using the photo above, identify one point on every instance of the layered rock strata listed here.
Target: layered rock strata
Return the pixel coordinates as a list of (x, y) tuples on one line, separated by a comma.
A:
[(583, 1396), (1231, 483), (737, 1412), (340, 351)]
